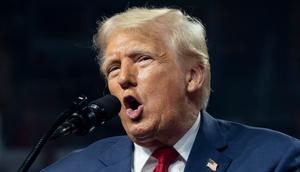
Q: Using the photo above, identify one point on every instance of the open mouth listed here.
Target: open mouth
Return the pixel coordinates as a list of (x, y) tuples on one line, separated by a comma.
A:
[(134, 108), (131, 103)]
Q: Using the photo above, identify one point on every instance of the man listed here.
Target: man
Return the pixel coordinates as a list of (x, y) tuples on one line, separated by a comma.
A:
[(156, 63)]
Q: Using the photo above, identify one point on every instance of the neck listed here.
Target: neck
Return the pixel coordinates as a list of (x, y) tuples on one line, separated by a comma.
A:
[(176, 130)]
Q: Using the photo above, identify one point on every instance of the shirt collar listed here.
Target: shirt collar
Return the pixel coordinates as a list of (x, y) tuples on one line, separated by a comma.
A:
[(141, 155), (183, 147)]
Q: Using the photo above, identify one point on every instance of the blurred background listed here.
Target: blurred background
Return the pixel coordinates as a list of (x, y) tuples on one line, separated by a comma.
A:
[(47, 60)]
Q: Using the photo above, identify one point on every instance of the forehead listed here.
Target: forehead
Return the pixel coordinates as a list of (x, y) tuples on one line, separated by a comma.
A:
[(133, 39), (125, 42)]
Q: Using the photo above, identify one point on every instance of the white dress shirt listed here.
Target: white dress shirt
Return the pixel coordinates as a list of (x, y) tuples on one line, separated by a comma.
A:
[(144, 162)]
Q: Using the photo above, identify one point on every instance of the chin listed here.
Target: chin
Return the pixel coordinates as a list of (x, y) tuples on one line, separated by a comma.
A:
[(148, 143), (146, 139)]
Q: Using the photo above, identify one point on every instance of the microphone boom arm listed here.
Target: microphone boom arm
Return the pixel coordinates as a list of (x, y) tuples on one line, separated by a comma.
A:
[(78, 104)]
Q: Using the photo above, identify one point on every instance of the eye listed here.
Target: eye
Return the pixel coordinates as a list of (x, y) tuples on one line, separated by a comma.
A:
[(112, 69), (144, 59)]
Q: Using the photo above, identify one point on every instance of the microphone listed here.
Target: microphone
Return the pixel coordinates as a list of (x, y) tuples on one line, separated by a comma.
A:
[(96, 113)]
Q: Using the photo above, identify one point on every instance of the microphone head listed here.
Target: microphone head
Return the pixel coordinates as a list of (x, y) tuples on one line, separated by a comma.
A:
[(91, 116), (105, 107)]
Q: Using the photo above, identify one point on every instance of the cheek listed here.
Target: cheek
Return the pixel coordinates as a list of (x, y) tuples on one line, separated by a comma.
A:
[(115, 89), (162, 89), (112, 86)]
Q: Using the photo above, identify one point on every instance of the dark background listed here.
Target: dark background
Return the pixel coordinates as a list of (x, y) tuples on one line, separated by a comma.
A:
[(47, 60)]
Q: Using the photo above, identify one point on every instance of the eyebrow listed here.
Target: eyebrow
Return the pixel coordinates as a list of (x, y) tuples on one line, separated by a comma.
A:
[(134, 53)]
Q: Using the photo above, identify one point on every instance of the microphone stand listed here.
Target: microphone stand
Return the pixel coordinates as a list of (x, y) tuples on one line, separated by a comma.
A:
[(77, 105)]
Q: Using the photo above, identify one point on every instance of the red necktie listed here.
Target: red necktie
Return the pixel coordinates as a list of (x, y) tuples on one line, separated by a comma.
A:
[(165, 156)]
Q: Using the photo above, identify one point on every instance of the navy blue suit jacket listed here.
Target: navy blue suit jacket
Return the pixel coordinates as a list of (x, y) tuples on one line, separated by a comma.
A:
[(234, 147)]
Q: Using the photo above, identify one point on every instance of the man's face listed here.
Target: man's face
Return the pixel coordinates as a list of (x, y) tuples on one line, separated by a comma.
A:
[(149, 80)]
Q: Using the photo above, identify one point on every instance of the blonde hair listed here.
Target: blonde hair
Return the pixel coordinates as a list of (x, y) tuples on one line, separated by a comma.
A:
[(185, 34)]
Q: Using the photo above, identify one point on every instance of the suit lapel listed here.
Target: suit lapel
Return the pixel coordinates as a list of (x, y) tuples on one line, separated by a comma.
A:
[(209, 144), (117, 158)]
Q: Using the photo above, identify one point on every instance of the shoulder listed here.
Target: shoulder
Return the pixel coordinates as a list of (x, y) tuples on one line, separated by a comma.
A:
[(257, 145), (236, 132), (87, 158)]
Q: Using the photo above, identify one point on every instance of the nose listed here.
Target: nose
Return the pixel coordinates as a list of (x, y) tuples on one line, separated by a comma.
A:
[(127, 76)]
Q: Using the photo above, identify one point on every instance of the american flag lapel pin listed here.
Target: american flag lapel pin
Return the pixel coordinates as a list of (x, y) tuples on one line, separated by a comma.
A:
[(212, 165)]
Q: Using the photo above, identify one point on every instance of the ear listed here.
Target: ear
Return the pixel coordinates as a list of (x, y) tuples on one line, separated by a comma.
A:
[(195, 77)]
